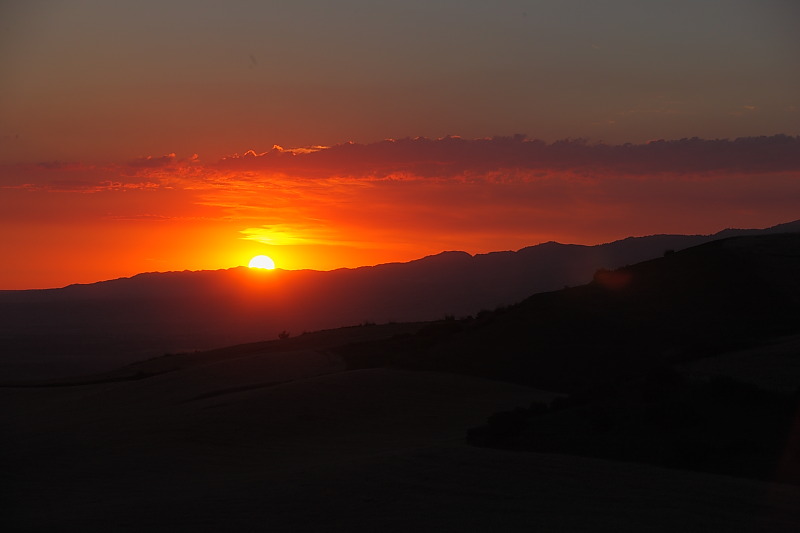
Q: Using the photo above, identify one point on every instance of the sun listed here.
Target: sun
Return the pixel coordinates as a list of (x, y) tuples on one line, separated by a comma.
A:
[(261, 261)]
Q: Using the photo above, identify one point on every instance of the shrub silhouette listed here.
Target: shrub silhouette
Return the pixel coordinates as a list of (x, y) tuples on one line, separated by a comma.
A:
[(720, 425)]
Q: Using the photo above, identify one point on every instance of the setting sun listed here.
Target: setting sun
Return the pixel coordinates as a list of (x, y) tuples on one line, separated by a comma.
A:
[(261, 261)]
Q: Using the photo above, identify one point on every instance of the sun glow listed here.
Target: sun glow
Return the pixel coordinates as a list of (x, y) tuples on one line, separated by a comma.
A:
[(261, 261)]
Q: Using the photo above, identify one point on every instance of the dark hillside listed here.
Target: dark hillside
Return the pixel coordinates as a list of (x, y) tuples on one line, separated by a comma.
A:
[(96, 327), (624, 347), (686, 305)]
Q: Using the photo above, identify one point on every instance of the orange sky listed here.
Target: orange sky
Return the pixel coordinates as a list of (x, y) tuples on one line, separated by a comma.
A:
[(120, 123), (351, 205)]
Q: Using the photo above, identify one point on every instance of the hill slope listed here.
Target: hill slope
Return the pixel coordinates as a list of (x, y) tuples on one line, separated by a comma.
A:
[(717, 297), (687, 361), (84, 328), (299, 434)]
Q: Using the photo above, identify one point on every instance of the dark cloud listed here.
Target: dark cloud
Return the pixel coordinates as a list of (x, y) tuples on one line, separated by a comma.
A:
[(450, 156)]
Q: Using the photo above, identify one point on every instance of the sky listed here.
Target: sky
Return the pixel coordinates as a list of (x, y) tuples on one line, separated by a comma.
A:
[(173, 135)]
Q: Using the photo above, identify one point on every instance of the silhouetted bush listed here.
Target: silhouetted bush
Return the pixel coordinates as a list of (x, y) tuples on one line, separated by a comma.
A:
[(720, 425), (508, 423)]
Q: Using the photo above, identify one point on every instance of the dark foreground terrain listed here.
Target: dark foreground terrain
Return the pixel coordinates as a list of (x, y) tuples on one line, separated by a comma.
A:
[(292, 441), (447, 426)]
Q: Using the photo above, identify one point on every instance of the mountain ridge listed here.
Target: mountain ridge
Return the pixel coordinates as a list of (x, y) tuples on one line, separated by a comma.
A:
[(723, 295), (86, 328), (623, 347), (664, 238)]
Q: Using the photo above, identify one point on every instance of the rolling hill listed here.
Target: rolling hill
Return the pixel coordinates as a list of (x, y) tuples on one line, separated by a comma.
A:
[(718, 297), (88, 328), (366, 428)]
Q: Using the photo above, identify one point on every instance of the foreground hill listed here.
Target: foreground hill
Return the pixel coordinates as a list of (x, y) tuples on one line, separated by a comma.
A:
[(365, 428), (721, 296), (365, 450), (686, 361), (87, 328)]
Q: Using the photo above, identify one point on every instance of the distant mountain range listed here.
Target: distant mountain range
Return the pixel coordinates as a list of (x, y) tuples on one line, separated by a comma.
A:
[(86, 328)]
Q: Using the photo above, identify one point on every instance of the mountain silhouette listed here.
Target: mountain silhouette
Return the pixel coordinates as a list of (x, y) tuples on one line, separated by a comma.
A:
[(85, 328), (352, 427)]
